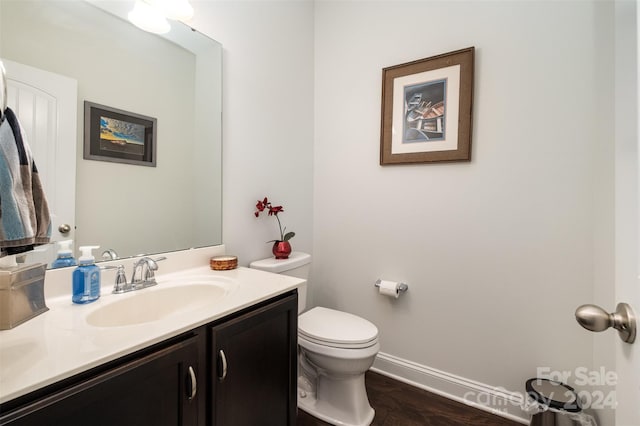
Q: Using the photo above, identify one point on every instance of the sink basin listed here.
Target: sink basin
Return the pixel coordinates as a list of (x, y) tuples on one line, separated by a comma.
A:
[(157, 303)]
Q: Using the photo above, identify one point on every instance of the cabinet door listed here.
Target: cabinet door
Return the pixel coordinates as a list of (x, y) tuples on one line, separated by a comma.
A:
[(153, 390), (254, 367)]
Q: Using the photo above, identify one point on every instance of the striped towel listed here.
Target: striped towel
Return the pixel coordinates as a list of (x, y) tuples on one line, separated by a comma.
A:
[(24, 212)]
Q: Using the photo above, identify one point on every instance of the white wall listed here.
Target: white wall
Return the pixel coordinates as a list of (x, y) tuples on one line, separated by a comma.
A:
[(497, 252), (267, 118)]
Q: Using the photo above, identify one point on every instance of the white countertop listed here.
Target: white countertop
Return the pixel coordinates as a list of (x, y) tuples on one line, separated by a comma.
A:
[(60, 343)]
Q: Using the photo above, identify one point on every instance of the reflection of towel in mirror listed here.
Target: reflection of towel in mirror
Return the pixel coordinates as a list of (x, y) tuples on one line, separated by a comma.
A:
[(24, 212)]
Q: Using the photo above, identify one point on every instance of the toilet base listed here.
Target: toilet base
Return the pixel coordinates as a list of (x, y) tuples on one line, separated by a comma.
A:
[(343, 402)]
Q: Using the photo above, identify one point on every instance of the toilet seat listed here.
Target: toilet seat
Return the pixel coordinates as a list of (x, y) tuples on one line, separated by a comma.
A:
[(328, 327), (346, 354)]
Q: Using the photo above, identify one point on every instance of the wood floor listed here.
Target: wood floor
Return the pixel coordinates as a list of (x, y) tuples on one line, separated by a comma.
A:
[(398, 404)]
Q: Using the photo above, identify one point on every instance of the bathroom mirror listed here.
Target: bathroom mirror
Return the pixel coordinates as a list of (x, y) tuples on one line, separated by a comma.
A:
[(175, 79)]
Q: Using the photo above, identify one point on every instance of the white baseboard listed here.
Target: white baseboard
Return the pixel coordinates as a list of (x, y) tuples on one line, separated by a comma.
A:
[(487, 398)]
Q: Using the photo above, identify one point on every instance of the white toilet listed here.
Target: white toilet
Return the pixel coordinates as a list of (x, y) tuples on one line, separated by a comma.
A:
[(335, 349)]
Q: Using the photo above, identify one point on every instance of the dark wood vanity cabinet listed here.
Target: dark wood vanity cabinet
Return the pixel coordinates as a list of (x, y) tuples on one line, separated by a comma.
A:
[(156, 389), (253, 380), (237, 371)]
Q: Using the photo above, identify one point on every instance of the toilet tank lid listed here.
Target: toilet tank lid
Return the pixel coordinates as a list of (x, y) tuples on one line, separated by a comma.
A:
[(296, 259)]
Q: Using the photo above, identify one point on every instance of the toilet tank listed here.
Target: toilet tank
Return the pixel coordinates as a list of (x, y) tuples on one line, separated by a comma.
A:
[(297, 265)]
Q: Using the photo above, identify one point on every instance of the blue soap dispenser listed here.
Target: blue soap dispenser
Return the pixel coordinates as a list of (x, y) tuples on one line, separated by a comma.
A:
[(86, 277), (65, 255)]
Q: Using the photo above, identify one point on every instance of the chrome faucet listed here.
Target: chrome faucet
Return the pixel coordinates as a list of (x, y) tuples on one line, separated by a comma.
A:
[(138, 267), (109, 254), (141, 277)]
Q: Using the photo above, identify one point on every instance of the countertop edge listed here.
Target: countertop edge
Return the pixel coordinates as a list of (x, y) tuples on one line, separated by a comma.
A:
[(153, 334)]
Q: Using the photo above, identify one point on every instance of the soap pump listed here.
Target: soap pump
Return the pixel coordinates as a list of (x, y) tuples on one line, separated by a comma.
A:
[(86, 277), (65, 255)]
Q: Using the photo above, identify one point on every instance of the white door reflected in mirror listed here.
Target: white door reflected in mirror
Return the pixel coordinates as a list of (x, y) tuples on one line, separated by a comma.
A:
[(46, 105)]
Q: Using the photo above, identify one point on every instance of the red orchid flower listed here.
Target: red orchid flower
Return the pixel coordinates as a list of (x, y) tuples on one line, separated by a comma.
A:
[(273, 211)]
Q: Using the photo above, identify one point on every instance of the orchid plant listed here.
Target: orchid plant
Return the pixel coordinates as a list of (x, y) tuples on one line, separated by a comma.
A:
[(265, 205)]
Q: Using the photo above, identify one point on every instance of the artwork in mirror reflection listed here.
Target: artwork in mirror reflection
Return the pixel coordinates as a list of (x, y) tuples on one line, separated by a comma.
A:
[(121, 133), (111, 134), (176, 80)]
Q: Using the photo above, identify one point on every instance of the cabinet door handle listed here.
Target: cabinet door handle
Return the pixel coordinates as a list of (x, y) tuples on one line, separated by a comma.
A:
[(222, 365), (194, 383)]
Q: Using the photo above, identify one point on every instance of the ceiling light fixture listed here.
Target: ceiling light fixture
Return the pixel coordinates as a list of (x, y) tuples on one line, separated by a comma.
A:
[(179, 10), (148, 18)]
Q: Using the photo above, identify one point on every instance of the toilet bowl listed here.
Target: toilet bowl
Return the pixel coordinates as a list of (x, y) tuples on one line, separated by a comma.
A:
[(335, 349)]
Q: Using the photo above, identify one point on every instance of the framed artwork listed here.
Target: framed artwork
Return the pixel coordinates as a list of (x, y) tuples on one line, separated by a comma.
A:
[(118, 136), (427, 109)]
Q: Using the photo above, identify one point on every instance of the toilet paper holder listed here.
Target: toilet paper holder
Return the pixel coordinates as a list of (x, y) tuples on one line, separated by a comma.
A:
[(402, 287)]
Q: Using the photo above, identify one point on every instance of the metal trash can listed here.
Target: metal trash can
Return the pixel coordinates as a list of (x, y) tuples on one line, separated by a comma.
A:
[(555, 404)]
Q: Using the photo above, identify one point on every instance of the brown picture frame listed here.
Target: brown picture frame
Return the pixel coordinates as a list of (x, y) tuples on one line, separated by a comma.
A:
[(427, 109), (119, 136)]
